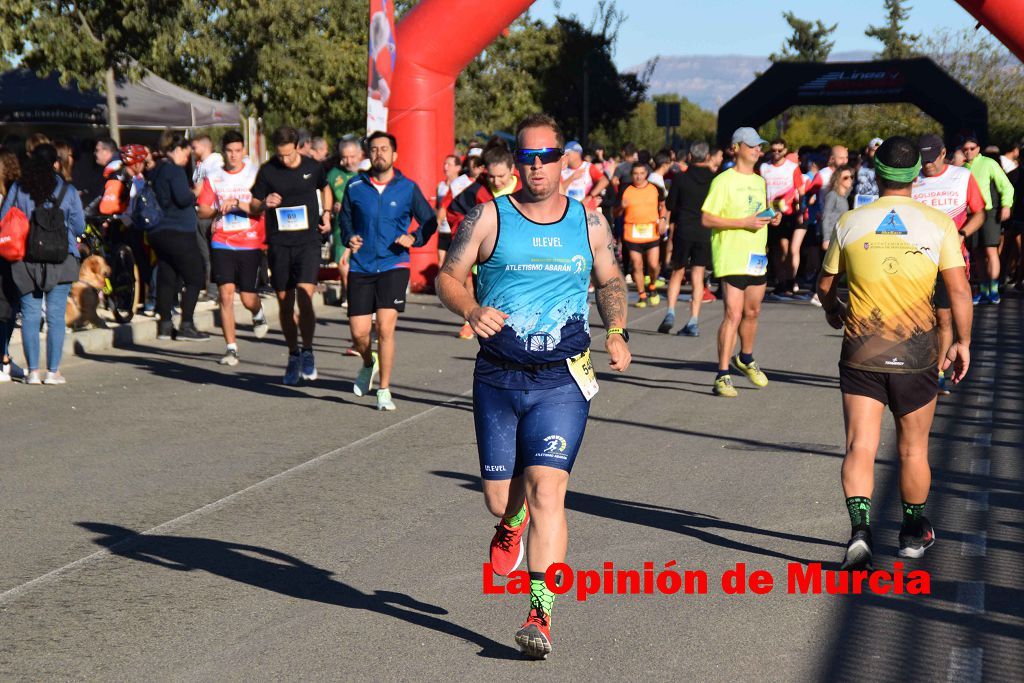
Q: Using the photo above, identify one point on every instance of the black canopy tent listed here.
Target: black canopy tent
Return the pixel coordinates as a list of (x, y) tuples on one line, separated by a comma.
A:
[(917, 81), (150, 104)]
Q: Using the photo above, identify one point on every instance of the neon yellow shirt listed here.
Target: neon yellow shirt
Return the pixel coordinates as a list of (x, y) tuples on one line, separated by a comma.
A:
[(737, 252)]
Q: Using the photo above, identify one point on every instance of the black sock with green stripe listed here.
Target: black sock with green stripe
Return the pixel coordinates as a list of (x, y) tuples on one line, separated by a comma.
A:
[(859, 508), (912, 514), (541, 597)]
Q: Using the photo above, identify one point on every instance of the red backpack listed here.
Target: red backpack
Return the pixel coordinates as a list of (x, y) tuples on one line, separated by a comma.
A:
[(13, 235)]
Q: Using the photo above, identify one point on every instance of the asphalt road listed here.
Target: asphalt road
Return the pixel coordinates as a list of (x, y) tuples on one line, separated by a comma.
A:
[(170, 519)]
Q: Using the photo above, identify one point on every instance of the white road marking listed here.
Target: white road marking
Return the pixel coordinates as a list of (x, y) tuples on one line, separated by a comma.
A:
[(977, 501), (971, 596), (965, 664), (13, 593), (974, 545)]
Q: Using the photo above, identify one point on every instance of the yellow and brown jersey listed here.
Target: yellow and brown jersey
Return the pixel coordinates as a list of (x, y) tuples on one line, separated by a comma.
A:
[(892, 250)]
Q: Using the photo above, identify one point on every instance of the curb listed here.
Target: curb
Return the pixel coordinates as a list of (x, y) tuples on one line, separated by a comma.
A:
[(143, 329)]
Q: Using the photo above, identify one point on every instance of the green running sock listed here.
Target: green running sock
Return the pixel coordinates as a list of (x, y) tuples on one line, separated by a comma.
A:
[(859, 508), (541, 597), (984, 287), (912, 513), (515, 520)]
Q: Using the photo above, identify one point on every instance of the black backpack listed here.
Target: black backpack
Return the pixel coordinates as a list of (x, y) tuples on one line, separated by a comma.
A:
[(146, 211), (48, 233)]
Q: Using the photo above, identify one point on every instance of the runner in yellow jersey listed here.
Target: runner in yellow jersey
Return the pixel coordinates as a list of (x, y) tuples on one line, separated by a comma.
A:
[(891, 251)]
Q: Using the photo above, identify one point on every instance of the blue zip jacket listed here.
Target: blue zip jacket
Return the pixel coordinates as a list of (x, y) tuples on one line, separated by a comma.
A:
[(382, 217), (71, 206)]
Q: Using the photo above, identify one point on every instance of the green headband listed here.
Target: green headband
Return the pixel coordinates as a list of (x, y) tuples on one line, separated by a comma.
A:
[(898, 175)]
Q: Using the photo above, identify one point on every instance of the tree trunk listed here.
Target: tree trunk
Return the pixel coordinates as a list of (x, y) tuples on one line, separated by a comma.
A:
[(112, 118)]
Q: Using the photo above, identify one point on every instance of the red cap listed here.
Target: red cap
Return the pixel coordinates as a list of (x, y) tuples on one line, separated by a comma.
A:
[(133, 154)]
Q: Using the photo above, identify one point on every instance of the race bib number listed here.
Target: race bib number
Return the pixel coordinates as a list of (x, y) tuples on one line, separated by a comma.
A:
[(581, 368), (235, 222), (757, 265), (292, 218), (643, 231)]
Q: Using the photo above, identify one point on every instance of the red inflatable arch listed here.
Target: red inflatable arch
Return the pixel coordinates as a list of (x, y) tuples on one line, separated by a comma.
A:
[(438, 38)]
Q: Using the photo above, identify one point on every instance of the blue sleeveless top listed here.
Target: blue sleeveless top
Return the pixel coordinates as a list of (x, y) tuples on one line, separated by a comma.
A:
[(538, 274)]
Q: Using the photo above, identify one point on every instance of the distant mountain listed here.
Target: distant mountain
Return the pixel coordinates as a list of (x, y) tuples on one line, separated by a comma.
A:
[(711, 81)]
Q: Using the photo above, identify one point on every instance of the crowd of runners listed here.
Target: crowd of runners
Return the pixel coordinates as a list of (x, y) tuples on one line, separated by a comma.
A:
[(530, 233)]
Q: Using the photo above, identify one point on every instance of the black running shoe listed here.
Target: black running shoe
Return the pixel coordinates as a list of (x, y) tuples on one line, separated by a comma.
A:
[(164, 330), (188, 332), (858, 552), (913, 542)]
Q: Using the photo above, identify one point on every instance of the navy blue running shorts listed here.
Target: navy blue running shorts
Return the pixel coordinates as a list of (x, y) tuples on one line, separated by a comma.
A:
[(516, 429)]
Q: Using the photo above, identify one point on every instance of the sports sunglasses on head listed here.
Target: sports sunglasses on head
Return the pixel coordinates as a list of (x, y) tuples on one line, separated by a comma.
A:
[(547, 155)]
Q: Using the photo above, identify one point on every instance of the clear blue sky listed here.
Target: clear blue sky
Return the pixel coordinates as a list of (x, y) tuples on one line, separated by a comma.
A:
[(688, 27)]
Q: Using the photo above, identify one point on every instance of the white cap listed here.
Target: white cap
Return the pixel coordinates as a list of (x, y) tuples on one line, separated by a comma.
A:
[(875, 143), (474, 152)]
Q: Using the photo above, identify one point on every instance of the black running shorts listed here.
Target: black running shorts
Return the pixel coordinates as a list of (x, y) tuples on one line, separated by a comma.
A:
[(744, 281), (902, 392), (689, 254), (640, 247), (238, 267), (988, 236), (291, 266), (369, 292)]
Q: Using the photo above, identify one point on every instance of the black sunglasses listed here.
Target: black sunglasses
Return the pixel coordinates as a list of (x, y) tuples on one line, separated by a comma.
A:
[(547, 155)]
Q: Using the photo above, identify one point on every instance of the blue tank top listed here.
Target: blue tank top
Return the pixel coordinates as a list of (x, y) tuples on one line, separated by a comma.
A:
[(538, 274)]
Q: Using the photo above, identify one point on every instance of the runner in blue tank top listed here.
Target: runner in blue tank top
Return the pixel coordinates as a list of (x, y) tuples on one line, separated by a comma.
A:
[(537, 251)]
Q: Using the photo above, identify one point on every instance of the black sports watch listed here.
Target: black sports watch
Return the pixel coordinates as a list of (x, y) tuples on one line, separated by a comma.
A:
[(618, 330)]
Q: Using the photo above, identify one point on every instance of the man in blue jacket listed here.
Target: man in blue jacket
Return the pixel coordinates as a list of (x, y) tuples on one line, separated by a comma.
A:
[(375, 217)]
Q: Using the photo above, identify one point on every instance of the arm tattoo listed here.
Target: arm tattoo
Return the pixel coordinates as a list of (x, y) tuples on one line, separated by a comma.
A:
[(593, 221), (463, 236), (611, 301)]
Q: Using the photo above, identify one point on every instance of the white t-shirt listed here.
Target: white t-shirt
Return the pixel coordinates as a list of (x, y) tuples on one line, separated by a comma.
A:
[(205, 168), (442, 192)]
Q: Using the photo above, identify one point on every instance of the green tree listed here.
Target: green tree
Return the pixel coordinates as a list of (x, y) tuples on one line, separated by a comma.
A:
[(896, 42), (809, 41), (581, 87), (287, 61), (989, 70), (500, 86), (92, 42), (641, 126)]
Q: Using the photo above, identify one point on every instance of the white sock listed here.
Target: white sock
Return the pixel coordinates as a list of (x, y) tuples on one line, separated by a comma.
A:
[(233, 347)]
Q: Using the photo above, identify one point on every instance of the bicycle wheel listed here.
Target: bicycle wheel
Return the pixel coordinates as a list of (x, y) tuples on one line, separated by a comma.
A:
[(124, 287)]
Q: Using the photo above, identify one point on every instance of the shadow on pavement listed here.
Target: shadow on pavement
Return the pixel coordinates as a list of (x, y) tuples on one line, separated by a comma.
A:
[(972, 624), (284, 574), (694, 524)]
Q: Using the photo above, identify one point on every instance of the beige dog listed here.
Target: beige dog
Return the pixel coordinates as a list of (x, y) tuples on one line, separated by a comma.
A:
[(80, 311)]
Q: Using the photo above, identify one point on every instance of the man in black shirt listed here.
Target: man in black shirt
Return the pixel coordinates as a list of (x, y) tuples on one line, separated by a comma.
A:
[(691, 241), (292, 192)]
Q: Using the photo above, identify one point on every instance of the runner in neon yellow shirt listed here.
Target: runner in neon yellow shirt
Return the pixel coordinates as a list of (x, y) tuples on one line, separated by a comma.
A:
[(988, 172), (733, 211)]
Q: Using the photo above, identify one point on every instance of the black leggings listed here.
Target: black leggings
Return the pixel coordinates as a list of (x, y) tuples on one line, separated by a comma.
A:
[(178, 256)]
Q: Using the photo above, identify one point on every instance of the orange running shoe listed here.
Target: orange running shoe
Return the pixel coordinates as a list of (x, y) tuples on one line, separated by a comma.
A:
[(534, 638), (466, 332), (507, 547)]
